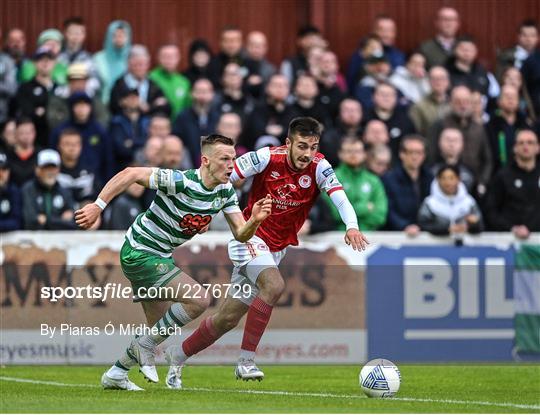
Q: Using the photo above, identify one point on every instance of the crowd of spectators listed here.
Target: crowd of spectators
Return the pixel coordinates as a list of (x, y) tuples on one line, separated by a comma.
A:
[(428, 140)]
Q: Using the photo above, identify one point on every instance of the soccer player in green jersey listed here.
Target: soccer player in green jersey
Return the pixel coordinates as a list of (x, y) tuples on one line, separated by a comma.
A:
[(184, 205)]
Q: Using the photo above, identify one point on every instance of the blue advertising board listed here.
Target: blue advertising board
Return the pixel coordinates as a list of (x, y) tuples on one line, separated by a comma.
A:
[(428, 303)]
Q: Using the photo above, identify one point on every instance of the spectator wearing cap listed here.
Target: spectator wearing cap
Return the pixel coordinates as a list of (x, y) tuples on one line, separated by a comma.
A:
[(198, 120), (50, 39), (96, 145), (174, 85), (348, 124), (199, 56), (58, 106), (151, 97), (22, 157), (306, 38), (513, 197), (377, 70), (411, 80), (381, 42), (74, 174), (33, 96), (434, 106), (128, 130), (10, 199), (438, 49), (370, 45), (111, 61), (449, 209), (46, 204), (73, 52)]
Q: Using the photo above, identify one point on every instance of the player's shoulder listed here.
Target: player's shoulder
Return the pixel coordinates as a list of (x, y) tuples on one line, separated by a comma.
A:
[(280, 150), (318, 158)]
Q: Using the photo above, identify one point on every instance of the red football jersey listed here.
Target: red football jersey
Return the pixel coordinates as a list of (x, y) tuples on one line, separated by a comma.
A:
[(293, 192)]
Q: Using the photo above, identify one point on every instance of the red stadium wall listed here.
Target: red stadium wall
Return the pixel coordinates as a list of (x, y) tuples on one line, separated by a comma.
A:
[(344, 22)]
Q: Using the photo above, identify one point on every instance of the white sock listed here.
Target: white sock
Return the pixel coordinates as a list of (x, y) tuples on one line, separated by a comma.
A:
[(116, 373), (177, 354), (175, 316), (246, 355)]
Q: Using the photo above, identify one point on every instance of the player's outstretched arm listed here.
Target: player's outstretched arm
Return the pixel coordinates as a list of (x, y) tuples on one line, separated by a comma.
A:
[(244, 231), (88, 215), (353, 236)]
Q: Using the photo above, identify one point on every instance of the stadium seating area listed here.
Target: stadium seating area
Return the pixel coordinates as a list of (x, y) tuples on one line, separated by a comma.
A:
[(427, 140)]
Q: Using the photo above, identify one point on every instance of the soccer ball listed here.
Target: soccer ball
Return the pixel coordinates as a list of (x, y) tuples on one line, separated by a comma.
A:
[(380, 378)]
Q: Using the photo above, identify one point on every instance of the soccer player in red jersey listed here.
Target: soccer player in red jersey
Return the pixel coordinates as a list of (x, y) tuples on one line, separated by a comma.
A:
[(293, 175)]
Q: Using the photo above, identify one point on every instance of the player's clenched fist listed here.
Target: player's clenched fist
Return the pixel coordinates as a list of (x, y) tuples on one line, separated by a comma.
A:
[(262, 209), (87, 216), (356, 239)]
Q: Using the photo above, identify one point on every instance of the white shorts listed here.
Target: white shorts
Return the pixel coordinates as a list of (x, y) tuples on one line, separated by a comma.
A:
[(249, 260)]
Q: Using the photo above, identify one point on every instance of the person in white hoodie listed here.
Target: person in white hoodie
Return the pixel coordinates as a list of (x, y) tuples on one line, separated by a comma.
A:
[(412, 79), (449, 209)]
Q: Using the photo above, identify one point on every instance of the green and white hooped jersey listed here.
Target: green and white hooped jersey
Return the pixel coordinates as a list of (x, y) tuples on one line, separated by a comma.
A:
[(181, 208)]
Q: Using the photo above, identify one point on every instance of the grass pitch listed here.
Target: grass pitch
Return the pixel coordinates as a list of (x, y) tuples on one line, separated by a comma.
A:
[(291, 389)]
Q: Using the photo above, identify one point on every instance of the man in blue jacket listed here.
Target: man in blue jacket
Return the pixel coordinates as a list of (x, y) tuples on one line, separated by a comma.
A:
[(407, 185)]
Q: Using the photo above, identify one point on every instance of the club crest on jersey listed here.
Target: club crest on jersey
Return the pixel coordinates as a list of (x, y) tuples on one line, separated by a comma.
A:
[(218, 202), (304, 181), (285, 190)]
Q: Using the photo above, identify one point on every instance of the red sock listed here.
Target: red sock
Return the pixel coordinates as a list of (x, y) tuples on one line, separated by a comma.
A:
[(201, 338), (257, 319)]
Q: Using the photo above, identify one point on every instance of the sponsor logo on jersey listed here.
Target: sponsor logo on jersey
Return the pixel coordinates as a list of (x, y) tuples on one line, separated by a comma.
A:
[(304, 181), (243, 163), (284, 191), (254, 158), (328, 172), (274, 175)]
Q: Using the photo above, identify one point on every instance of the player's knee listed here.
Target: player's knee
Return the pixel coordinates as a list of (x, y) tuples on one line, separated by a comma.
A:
[(271, 287)]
